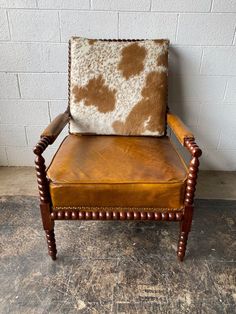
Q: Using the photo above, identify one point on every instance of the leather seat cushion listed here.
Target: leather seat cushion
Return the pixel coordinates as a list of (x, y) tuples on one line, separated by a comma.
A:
[(117, 171)]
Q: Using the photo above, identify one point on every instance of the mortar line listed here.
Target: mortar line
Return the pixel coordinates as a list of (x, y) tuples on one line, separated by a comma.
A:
[(151, 5), (5, 149), (26, 137), (120, 10), (118, 25), (59, 23), (18, 84), (8, 24), (234, 37), (49, 111), (177, 27), (225, 90), (201, 60), (219, 140), (211, 7)]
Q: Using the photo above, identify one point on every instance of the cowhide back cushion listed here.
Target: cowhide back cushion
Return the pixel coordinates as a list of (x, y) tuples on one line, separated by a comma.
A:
[(118, 87)]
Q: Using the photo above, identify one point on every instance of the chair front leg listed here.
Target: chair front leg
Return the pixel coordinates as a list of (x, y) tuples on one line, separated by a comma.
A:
[(186, 223), (185, 228), (45, 202)]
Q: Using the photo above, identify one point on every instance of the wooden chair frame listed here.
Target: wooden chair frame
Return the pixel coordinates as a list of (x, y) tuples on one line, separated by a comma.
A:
[(49, 215)]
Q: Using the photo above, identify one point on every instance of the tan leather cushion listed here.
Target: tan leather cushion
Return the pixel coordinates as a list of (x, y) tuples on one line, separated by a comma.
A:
[(118, 87), (117, 171)]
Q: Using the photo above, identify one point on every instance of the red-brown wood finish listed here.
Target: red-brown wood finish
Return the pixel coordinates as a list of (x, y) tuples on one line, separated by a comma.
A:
[(185, 225), (45, 203), (184, 216), (116, 215)]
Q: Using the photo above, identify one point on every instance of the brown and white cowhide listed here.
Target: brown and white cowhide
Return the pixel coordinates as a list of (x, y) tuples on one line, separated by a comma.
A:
[(118, 87)]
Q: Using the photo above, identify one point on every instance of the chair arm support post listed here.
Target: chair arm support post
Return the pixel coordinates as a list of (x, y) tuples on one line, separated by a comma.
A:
[(186, 223), (196, 152), (41, 169), (44, 194)]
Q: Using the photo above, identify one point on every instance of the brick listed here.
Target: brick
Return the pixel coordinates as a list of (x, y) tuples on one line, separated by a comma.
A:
[(88, 24), (181, 5), (20, 156), (9, 86), (34, 25), (206, 29), (228, 138), (43, 85), (206, 136), (3, 156), (219, 61), (20, 57), (33, 133), (57, 107), (184, 60), (230, 95), (188, 111), (214, 118), (12, 135), (224, 6), (33, 57), (55, 57), (138, 5), (4, 31), (196, 88), (24, 112), (147, 25), (218, 160), (18, 4), (62, 4)]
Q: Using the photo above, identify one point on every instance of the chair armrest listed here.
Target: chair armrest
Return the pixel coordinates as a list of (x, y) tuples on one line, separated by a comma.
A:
[(56, 126), (179, 128), (183, 134)]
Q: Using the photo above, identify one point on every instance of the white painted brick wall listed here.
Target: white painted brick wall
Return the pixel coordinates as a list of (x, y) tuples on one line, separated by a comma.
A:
[(147, 25), (181, 5), (33, 65), (8, 86), (206, 29), (4, 29)]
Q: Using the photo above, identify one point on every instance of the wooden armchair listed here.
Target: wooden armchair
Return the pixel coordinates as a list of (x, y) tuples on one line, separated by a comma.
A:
[(131, 174)]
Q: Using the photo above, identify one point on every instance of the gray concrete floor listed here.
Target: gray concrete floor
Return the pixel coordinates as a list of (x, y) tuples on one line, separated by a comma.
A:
[(114, 267), (211, 184)]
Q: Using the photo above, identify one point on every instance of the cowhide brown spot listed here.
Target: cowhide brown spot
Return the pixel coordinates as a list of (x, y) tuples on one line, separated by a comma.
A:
[(161, 41), (147, 114), (132, 61), (92, 41), (96, 93), (162, 59)]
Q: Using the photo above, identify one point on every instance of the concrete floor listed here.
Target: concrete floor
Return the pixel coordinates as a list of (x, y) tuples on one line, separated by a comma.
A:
[(117, 267), (211, 184), (114, 267)]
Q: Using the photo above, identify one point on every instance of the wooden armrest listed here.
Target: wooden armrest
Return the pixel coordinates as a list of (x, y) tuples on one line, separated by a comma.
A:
[(56, 126), (178, 127), (183, 134)]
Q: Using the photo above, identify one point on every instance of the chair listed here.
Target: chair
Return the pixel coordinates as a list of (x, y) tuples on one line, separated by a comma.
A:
[(117, 163)]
